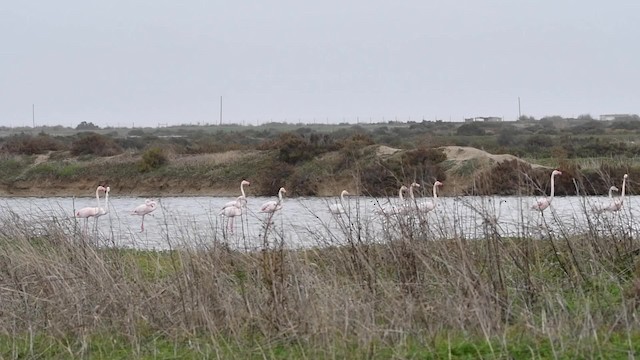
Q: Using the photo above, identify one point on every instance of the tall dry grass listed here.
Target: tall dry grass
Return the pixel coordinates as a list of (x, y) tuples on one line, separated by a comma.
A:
[(356, 288)]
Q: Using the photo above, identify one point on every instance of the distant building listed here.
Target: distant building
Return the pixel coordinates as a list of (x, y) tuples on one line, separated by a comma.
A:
[(611, 117), (487, 118)]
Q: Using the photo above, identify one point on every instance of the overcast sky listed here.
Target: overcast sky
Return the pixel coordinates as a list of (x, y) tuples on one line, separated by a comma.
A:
[(148, 62)]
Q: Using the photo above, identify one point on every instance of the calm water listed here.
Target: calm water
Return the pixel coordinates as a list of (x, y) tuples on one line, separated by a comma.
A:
[(188, 221)]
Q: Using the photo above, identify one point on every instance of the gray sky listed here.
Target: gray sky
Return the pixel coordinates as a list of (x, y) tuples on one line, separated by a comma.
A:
[(152, 61)]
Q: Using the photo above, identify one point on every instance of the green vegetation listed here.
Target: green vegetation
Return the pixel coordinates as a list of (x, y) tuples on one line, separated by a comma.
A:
[(300, 156), (580, 137), (152, 159)]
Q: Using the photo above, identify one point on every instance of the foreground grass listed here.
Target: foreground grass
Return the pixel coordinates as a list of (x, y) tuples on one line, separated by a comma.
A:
[(109, 346), (402, 293)]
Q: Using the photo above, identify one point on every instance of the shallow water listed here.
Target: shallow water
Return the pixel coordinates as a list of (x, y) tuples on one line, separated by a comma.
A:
[(194, 221)]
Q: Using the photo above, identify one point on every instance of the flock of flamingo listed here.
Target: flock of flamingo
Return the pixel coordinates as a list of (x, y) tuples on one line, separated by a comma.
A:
[(95, 212), (237, 207), (615, 204), (230, 210)]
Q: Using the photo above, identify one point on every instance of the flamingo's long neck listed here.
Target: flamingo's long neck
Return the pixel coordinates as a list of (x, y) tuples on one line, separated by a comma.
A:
[(342, 197), (610, 193), (435, 193), (98, 196), (553, 187), (411, 193), (280, 196), (242, 189), (106, 201), (624, 185), (400, 195)]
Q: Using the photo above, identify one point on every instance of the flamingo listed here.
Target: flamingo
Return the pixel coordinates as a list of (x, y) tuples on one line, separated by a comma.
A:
[(430, 205), (87, 212), (392, 209), (400, 191), (234, 208), (105, 209), (544, 203), (620, 200), (338, 208), (240, 200), (274, 205), (413, 184), (407, 208), (148, 207), (611, 205)]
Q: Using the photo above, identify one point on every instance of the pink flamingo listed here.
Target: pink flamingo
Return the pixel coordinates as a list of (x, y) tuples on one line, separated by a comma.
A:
[(273, 205), (240, 200), (392, 209), (87, 212), (611, 205), (234, 208), (430, 205), (404, 208), (338, 208), (413, 185), (544, 203), (620, 201), (104, 210), (147, 208)]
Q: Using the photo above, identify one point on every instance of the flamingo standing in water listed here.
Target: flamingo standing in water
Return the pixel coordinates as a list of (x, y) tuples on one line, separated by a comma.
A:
[(104, 210), (240, 200), (392, 209), (620, 201), (611, 205), (148, 207), (406, 208), (544, 203), (87, 212), (338, 208), (413, 185), (234, 208), (274, 205), (430, 205)]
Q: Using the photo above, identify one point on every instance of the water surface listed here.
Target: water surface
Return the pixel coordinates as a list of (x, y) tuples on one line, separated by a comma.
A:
[(185, 221)]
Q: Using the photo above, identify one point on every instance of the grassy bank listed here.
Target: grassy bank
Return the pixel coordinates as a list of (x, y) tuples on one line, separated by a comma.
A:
[(400, 293), (370, 170)]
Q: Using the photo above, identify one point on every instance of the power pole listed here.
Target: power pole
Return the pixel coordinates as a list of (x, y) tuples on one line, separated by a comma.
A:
[(519, 112), (220, 110)]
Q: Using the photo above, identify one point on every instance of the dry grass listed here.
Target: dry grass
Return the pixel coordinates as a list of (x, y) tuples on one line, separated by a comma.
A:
[(569, 291)]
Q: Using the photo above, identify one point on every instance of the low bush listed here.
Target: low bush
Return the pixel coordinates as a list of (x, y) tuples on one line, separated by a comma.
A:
[(152, 159), (30, 145), (95, 144)]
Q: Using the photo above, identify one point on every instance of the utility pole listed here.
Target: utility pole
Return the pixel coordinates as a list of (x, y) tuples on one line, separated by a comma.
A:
[(220, 110), (519, 112)]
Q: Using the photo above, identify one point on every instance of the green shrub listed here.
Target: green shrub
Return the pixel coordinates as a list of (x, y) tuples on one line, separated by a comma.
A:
[(294, 149), (468, 129), (30, 145), (69, 171), (11, 165), (95, 144), (42, 170), (152, 159), (273, 175)]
